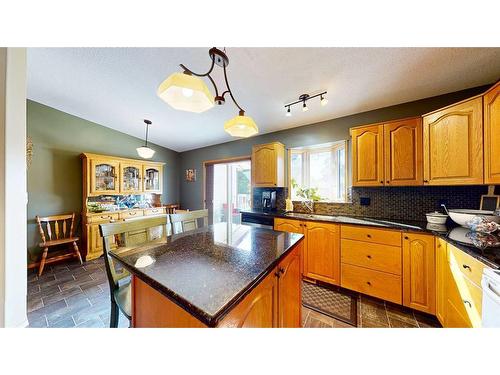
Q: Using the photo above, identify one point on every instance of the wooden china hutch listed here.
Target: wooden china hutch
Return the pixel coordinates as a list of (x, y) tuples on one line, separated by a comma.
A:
[(105, 175)]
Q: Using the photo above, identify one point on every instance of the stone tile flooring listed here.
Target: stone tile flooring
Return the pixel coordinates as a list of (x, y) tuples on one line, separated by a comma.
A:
[(70, 295), (373, 313)]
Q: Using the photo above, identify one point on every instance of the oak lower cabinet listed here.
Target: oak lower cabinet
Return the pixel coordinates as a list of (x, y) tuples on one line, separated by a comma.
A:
[(491, 109), (321, 249), (371, 262), (268, 165), (441, 276), (453, 144), (419, 272), (463, 290), (290, 290)]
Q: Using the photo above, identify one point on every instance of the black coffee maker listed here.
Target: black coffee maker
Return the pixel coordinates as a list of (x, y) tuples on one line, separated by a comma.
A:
[(269, 200)]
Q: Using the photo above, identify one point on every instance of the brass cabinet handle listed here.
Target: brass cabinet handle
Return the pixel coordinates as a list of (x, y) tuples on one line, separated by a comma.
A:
[(465, 266), (468, 303)]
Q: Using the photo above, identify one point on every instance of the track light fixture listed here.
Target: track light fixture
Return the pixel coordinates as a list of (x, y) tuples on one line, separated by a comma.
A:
[(303, 99)]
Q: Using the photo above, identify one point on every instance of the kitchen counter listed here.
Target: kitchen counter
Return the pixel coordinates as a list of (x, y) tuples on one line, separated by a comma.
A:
[(208, 271), (452, 233)]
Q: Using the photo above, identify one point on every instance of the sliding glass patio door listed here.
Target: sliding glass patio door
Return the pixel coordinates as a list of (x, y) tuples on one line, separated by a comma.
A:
[(227, 190)]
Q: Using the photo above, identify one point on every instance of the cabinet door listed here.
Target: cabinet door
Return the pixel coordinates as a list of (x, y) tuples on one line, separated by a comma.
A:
[(441, 275), (153, 178), (287, 225), (322, 252), (492, 135), (130, 178), (453, 145), (368, 156), (455, 312), (264, 165), (259, 309), (290, 290), (403, 153), (419, 272), (104, 177)]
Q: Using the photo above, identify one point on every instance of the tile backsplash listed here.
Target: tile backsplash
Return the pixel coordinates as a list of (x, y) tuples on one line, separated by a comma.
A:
[(405, 203), (281, 195)]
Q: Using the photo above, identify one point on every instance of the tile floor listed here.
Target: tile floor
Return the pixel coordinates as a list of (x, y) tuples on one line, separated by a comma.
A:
[(71, 295), (373, 313)]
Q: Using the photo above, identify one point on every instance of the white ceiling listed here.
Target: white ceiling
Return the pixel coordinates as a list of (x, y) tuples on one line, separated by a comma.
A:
[(116, 87)]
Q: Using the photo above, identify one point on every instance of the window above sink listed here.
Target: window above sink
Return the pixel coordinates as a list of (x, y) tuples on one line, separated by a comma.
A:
[(318, 172)]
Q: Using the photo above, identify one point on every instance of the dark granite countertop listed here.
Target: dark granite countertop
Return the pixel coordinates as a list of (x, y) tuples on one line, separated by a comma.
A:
[(209, 270), (459, 237)]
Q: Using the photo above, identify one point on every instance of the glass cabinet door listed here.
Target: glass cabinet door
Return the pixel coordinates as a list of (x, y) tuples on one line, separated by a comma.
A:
[(104, 177), (152, 179), (130, 178)]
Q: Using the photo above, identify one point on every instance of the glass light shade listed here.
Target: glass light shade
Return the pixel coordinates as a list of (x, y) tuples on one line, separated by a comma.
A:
[(305, 108), (145, 152), (324, 101), (186, 93), (241, 126)]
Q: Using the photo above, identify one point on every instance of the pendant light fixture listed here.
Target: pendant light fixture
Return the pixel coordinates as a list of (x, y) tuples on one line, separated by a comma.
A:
[(303, 99), (144, 151), (186, 91)]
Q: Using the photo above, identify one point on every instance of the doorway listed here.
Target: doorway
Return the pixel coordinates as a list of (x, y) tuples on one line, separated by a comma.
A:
[(227, 190)]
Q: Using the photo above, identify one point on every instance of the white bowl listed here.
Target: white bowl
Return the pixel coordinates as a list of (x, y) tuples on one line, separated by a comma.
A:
[(436, 218), (462, 216)]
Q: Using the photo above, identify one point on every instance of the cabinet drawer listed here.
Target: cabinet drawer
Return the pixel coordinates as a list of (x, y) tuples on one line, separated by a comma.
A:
[(374, 256), (102, 218), (368, 234), (131, 214), (469, 266), (469, 298), (378, 284), (154, 211)]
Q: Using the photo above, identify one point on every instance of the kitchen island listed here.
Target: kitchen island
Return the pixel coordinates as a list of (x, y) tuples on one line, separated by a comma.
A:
[(224, 275)]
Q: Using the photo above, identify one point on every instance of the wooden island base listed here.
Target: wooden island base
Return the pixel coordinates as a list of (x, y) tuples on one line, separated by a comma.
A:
[(274, 302)]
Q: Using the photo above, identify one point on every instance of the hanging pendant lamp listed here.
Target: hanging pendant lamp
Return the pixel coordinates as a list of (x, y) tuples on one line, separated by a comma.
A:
[(186, 91), (144, 151)]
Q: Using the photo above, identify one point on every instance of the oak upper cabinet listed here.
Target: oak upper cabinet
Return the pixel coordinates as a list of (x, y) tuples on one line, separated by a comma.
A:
[(368, 156), (453, 144), (290, 290), (419, 272), (322, 251), (152, 178), (130, 178), (403, 152), (268, 165), (442, 270), (491, 102), (103, 175)]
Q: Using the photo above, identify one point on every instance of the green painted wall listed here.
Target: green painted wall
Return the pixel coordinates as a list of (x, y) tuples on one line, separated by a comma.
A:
[(55, 175), (327, 131)]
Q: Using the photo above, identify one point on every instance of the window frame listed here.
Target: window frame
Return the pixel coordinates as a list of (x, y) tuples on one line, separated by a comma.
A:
[(306, 151)]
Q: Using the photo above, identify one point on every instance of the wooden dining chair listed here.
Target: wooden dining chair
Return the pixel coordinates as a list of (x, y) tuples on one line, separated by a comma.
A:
[(184, 222), (171, 208), (120, 289), (60, 231)]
